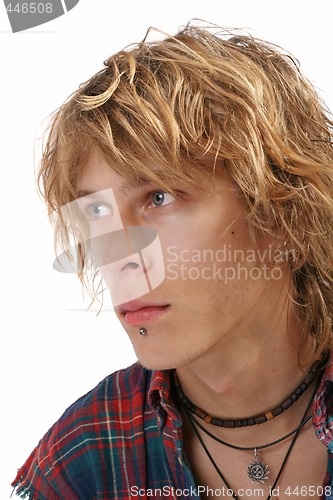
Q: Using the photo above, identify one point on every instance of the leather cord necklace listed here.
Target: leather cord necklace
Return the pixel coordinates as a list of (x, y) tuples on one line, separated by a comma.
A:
[(257, 470)]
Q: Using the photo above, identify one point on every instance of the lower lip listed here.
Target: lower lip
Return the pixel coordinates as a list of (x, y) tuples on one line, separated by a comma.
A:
[(135, 318)]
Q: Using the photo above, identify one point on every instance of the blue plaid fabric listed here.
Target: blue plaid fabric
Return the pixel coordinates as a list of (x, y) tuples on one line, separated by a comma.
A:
[(123, 440)]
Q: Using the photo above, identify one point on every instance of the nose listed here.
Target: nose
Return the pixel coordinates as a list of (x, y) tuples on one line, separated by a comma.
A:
[(132, 265)]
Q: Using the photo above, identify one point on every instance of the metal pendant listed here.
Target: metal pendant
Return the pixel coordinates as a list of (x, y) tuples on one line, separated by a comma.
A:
[(257, 471)]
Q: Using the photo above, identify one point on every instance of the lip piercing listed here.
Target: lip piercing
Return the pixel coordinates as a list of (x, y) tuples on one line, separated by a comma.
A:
[(142, 331)]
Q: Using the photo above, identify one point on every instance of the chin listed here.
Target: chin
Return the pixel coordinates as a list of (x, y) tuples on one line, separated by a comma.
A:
[(163, 360), (159, 359), (154, 363)]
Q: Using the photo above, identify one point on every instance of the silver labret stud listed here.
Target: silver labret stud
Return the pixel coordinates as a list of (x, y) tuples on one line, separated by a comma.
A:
[(142, 331)]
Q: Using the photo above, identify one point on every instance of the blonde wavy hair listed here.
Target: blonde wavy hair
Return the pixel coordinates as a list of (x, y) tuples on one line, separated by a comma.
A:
[(212, 99)]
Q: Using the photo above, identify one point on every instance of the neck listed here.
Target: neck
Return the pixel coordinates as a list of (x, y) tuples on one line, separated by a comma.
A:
[(238, 383)]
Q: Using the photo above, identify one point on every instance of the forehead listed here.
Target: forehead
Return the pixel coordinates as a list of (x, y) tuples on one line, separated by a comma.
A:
[(98, 175)]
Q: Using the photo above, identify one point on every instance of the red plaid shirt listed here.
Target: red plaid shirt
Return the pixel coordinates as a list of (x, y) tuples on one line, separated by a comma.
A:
[(123, 440)]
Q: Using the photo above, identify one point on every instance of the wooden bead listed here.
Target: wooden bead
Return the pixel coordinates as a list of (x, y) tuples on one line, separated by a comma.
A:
[(287, 403), (277, 411), (260, 419), (200, 413), (217, 421), (230, 424)]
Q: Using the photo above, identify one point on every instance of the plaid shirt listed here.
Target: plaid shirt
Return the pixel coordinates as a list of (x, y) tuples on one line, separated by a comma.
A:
[(123, 440)]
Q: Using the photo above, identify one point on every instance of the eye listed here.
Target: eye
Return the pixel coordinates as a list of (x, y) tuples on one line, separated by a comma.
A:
[(161, 198), (98, 210)]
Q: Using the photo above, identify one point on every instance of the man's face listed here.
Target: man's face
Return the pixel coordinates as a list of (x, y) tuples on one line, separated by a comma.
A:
[(218, 283)]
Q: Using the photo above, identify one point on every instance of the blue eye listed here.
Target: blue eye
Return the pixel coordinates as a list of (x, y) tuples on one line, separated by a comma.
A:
[(98, 210), (161, 198)]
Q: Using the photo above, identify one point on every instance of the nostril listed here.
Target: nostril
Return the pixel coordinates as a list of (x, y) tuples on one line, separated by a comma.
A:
[(130, 265)]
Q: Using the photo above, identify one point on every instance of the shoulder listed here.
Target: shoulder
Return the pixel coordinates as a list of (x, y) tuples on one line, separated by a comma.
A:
[(117, 398), (78, 445), (112, 393)]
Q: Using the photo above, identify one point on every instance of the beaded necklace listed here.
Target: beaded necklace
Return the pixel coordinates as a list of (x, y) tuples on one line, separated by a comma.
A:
[(257, 470)]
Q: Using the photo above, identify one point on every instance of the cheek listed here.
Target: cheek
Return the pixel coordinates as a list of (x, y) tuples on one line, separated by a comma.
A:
[(215, 253), (194, 261)]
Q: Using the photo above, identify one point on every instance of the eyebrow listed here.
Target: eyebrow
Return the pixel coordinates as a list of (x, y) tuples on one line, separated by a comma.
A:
[(82, 193), (128, 187)]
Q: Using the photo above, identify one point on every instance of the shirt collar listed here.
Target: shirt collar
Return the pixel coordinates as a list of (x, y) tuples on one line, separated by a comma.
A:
[(159, 396), (322, 414)]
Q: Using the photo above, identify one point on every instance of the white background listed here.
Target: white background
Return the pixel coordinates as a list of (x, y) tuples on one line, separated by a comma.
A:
[(53, 351)]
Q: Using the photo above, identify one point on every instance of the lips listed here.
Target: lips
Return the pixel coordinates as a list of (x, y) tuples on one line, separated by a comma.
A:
[(138, 313)]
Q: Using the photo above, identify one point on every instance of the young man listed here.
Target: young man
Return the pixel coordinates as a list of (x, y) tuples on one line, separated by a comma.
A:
[(198, 172)]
